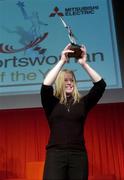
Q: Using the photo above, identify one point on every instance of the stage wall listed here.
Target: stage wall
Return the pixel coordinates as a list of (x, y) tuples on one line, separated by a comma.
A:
[(24, 134)]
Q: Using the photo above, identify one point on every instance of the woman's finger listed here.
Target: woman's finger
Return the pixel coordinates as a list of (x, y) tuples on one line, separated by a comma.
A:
[(67, 47)]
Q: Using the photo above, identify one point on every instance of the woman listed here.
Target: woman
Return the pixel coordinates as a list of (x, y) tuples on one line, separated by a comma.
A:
[(66, 111)]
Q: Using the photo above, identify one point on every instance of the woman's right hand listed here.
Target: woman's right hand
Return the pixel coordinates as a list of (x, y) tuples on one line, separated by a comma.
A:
[(64, 54)]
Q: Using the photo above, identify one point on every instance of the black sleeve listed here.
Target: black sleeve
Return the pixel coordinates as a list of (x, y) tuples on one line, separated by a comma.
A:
[(48, 100), (94, 94)]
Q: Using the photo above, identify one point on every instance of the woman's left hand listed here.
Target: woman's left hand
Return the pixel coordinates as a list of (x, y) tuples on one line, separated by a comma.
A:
[(83, 58)]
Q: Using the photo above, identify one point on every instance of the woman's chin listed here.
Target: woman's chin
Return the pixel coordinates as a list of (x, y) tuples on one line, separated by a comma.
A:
[(68, 93)]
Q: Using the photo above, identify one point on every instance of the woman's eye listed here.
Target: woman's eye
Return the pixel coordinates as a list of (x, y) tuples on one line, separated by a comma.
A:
[(66, 80)]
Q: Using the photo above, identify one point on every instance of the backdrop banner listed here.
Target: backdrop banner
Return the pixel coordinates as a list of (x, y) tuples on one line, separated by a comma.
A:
[(32, 37)]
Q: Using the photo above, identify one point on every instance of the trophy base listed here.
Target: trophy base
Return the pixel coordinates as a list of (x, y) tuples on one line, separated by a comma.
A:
[(77, 51)]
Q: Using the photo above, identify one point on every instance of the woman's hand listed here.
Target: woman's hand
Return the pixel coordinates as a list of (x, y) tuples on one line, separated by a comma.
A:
[(83, 58), (64, 54)]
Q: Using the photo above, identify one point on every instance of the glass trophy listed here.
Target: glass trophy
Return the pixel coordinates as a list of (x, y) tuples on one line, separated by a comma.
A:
[(74, 46)]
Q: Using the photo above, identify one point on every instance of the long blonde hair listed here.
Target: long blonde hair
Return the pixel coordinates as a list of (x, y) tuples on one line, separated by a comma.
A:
[(59, 87)]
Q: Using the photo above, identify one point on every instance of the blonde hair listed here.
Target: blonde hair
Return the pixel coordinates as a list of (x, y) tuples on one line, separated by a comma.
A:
[(59, 87)]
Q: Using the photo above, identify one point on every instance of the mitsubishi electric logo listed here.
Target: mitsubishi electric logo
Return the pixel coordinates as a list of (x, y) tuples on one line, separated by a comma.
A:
[(75, 11), (56, 12)]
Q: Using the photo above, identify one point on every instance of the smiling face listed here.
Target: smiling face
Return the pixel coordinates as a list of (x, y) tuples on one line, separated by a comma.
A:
[(69, 83), (65, 85)]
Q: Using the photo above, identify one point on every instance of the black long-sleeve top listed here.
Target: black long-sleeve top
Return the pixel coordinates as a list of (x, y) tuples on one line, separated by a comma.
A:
[(67, 127)]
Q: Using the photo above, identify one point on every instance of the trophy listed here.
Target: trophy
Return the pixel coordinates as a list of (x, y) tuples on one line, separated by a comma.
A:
[(74, 46)]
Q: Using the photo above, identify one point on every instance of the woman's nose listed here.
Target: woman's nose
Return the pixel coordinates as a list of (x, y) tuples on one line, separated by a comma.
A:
[(69, 82)]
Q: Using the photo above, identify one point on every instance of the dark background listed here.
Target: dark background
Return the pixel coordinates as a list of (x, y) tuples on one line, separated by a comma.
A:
[(118, 7)]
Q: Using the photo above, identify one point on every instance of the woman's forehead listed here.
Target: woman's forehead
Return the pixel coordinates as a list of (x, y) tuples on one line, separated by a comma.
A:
[(68, 75)]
